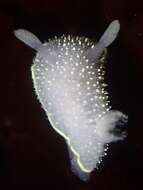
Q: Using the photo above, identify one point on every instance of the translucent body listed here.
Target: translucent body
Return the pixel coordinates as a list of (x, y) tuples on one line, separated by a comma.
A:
[(68, 76)]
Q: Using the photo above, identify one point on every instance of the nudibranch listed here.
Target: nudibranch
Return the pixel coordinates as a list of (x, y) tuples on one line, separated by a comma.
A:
[(68, 77)]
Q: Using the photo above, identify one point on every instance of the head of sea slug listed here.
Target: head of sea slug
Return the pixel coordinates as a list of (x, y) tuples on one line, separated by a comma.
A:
[(68, 47)]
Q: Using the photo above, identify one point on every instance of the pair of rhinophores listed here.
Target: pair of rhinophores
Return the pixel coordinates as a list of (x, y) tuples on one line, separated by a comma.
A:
[(68, 76)]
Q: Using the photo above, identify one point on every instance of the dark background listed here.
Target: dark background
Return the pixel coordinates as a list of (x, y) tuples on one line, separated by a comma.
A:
[(32, 154)]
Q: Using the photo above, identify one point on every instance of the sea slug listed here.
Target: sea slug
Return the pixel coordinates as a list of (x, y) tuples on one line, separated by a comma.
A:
[(68, 76)]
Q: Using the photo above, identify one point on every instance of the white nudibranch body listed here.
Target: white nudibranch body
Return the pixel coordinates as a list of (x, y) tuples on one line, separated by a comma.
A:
[(68, 76)]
